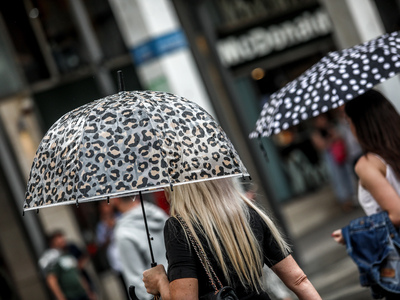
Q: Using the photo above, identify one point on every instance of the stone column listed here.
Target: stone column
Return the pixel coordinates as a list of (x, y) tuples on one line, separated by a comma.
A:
[(159, 49)]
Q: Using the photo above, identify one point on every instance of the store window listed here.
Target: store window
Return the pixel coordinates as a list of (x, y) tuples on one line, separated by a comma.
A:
[(389, 11), (264, 44), (238, 13), (56, 21), (106, 28), (27, 49), (301, 164), (48, 41)]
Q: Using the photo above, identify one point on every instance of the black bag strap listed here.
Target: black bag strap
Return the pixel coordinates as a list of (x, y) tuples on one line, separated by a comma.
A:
[(201, 255)]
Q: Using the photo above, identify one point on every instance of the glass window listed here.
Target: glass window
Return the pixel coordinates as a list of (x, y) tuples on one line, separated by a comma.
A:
[(232, 13), (61, 34), (106, 28), (26, 46), (389, 11)]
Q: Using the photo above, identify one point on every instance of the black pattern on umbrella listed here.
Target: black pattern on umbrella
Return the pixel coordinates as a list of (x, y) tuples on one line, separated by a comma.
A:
[(127, 143), (337, 78)]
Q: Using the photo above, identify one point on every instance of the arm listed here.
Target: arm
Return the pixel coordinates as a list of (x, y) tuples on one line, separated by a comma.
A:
[(372, 173), (52, 282), (156, 282), (295, 279)]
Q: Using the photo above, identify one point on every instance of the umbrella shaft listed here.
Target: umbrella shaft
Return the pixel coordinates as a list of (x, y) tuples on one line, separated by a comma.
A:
[(153, 263)]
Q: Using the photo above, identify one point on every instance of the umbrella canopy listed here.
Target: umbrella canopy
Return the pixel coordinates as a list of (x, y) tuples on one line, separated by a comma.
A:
[(337, 78), (127, 143)]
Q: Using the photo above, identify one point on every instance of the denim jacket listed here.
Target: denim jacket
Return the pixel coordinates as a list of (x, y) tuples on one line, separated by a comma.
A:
[(371, 242)]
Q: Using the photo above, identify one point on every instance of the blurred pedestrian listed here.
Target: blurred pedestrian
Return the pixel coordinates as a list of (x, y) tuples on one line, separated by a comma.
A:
[(332, 147), (353, 148), (62, 272), (105, 232), (83, 258), (237, 238), (106, 239), (375, 123), (131, 240)]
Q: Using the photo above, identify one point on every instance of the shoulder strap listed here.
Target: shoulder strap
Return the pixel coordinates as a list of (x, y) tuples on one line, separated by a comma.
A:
[(201, 255), (380, 158)]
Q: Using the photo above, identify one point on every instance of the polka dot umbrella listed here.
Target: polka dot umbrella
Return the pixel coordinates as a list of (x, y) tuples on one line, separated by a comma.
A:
[(337, 78)]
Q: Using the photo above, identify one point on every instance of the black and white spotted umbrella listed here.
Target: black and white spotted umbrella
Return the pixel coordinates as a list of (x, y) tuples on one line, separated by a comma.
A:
[(128, 143), (337, 78)]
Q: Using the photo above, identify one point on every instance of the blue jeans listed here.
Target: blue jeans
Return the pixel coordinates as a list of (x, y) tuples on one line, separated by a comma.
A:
[(373, 243)]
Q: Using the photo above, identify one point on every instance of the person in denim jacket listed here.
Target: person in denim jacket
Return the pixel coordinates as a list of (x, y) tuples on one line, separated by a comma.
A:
[(375, 122)]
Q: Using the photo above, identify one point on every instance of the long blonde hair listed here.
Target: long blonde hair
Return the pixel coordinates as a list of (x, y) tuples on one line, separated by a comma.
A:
[(219, 211)]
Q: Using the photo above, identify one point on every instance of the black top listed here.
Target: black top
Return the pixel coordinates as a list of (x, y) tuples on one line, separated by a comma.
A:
[(184, 263)]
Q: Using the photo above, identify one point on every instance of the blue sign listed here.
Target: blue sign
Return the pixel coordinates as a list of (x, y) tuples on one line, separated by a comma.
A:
[(158, 47)]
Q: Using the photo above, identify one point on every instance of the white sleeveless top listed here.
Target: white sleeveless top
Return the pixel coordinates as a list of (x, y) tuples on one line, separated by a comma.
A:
[(367, 202)]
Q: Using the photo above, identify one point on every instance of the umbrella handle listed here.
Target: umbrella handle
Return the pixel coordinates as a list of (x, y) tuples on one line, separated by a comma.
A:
[(133, 296), (132, 293)]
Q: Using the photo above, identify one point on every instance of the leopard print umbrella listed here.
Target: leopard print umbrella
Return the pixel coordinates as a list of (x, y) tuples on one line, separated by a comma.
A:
[(127, 143)]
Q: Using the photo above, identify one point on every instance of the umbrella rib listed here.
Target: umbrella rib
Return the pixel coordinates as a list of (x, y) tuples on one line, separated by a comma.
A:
[(41, 183), (159, 139), (122, 94), (42, 174), (93, 106), (275, 110), (180, 142), (59, 156)]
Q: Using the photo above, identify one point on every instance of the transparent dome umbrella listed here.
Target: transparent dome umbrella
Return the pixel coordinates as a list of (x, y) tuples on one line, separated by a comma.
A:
[(338, 77), (125, 144)]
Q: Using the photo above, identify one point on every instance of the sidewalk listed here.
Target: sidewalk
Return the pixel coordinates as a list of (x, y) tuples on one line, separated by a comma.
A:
[(311, 220)]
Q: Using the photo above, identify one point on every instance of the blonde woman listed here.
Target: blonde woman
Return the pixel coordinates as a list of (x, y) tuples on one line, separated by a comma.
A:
[(237, 237)]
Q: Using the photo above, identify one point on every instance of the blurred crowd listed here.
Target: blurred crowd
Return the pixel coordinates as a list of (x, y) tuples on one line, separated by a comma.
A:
[(119, 245), (322, 151)]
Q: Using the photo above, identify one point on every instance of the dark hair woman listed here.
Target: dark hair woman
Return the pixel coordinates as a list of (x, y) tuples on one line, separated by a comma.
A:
[(375, 123)]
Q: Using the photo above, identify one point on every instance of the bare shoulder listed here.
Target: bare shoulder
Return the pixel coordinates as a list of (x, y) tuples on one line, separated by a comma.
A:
[(370, 164)]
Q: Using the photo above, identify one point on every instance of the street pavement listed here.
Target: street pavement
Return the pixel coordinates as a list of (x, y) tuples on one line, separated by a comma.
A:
[(310, 221)]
